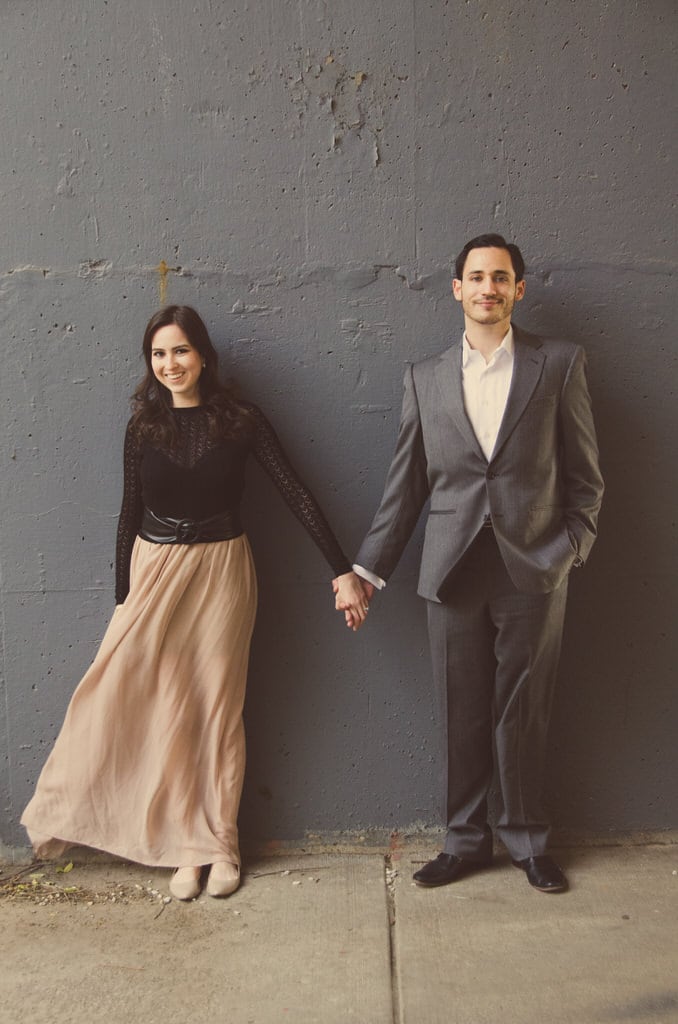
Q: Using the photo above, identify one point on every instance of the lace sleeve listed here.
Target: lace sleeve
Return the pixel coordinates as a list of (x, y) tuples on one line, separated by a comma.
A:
[(270, 455), (130, 516)]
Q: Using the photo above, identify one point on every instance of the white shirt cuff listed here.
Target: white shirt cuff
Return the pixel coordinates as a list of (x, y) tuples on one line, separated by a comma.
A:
[(376, 581)]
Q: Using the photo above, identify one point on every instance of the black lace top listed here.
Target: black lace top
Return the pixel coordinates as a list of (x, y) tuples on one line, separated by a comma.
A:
[(204, 477)]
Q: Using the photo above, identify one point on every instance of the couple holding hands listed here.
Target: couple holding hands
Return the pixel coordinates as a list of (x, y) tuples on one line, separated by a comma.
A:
[(496, 433)]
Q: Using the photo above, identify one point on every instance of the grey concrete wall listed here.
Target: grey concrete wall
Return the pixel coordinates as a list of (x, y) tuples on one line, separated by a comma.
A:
[(303, 173)]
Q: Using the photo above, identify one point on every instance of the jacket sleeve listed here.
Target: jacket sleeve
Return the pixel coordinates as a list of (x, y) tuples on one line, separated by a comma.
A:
[(581, 477), (405, 492)]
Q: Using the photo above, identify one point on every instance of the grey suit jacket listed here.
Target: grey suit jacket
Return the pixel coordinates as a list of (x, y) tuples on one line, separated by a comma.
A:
[(542, 484)]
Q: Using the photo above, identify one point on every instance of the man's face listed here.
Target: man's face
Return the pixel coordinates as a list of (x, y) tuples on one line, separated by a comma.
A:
[(488, 290)]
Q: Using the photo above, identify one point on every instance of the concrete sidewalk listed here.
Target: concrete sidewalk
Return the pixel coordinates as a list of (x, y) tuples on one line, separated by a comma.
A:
[(333, 938)]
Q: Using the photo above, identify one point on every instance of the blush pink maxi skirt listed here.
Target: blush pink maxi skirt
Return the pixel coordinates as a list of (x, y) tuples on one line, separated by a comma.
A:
[(150, 760)]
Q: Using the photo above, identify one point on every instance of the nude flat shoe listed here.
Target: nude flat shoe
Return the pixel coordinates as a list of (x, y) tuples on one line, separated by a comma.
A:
[(224, 878), (185, 883)]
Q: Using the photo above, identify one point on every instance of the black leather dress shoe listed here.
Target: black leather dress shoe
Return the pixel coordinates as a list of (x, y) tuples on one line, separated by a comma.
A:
[(543, 873), (446, 868)]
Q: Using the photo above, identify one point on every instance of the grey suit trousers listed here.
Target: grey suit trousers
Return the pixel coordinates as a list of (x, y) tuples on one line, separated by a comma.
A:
[(495, 654)]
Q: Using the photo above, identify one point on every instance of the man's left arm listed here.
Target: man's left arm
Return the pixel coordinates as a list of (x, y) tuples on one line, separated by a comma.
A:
[(580, 471)]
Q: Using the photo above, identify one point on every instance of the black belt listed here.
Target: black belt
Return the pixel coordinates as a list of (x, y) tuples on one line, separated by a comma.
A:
[(166, 530)]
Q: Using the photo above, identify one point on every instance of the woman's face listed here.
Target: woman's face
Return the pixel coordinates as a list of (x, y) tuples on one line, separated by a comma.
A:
[(177, 365)]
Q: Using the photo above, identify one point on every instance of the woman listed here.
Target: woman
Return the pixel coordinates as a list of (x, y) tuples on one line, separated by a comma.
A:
[(149, 763)]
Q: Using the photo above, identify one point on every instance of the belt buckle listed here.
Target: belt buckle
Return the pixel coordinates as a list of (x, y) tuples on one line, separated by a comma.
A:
[(187, 531)]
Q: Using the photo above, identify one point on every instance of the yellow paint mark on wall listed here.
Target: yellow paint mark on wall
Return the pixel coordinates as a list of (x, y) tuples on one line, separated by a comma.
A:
[(163, 271)]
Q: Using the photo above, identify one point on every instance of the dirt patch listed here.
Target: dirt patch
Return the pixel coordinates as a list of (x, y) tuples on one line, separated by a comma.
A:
[(47, 884)]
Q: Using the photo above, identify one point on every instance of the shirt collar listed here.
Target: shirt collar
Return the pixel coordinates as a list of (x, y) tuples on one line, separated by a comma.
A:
[(507, 346)]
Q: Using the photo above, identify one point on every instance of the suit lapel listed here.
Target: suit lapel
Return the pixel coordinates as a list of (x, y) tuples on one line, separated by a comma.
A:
[(527, 368), (448, 378)]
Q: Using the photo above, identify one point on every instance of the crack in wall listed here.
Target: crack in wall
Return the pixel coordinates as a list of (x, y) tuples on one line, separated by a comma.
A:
[(352, 276)]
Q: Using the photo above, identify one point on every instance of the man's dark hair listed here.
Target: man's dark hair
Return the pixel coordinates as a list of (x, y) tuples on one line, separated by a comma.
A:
[(491, 242)]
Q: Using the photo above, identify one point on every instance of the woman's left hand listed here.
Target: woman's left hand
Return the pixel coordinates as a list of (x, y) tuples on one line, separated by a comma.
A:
[(352, 598)]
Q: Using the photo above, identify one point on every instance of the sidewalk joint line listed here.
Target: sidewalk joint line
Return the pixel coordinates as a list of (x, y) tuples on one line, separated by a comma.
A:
[(390, 873)]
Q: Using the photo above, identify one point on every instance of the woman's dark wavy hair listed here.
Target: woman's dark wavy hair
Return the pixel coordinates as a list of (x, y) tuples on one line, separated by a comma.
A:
[(152, 402)]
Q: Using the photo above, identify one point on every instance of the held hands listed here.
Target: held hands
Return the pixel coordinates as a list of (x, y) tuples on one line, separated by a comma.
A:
[(353, 596)]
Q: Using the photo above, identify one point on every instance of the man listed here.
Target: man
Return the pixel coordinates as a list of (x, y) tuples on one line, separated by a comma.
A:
[(497, 433)]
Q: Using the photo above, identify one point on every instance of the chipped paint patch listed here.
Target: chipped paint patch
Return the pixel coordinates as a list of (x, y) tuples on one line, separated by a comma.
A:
[(241, 308), (92, 269), (353, 101)]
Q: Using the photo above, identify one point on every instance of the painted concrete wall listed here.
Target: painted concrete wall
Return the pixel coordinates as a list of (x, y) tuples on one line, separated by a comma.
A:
[(303, 173)]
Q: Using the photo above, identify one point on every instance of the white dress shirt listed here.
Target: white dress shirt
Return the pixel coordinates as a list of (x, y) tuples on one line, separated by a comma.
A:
[(486, 387)]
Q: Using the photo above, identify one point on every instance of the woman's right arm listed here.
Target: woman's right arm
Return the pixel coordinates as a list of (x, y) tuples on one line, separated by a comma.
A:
[(130, 515)]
